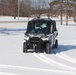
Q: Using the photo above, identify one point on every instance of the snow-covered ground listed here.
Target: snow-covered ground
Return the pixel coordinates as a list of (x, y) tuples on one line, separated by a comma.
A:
[(13, 61), (10, 18)]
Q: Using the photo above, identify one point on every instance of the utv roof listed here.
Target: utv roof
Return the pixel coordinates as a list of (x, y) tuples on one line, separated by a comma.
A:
[(41, 19)]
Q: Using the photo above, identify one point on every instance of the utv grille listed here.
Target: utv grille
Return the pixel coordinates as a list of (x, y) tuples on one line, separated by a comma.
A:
[(35, 39)]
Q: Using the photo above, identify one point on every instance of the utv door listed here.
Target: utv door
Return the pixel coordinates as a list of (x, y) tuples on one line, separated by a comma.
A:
[(54, 32)]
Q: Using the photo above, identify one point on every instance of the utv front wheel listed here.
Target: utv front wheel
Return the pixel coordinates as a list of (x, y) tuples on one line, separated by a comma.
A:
[(24, 48), (48, 48)]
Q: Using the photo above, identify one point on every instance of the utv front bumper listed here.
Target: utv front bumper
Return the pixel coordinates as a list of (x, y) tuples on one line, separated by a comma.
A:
[(34, 43)]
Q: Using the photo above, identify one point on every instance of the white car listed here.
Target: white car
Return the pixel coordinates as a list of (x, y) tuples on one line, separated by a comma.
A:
[(40, 36)]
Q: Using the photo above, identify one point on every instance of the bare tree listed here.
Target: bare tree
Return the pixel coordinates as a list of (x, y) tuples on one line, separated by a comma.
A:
[(67, 12), (39, 7), (61, 11), (2, 7), (48, 13), (14, 7), (25, 8), (74, 2), (9, 7), (56, 8)]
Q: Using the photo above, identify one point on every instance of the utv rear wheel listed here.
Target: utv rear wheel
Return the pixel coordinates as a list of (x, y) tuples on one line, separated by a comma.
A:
[(48, 48), (56, 44), (24, 48)]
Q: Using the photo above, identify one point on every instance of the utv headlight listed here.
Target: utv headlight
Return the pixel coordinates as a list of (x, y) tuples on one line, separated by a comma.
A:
[(45, 39), (26, 38)]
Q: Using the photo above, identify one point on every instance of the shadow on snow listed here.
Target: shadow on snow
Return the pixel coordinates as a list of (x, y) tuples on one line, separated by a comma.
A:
[(8, 31), (63, 48)]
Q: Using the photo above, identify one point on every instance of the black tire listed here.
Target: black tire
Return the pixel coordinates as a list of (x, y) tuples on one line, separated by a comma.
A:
[(24, 48), (48, 49), (56, 44)]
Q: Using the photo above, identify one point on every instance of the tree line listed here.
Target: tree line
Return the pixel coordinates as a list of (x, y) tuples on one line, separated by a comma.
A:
[(63, 8), (36, 8)]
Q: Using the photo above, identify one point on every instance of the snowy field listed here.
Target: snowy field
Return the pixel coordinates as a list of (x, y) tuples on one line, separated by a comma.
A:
[(13, 61)]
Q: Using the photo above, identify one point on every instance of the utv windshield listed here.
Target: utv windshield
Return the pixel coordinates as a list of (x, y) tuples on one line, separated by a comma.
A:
[(38, 27)]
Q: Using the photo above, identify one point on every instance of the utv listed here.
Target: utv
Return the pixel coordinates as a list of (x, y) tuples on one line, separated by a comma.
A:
[(40, 36)]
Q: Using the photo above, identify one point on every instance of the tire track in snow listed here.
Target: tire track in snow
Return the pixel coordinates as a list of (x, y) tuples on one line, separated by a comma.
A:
[(58, 63), (43, 60), (32, 69), (66, 57), (4, 73), (63, 56), (51, 61)]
